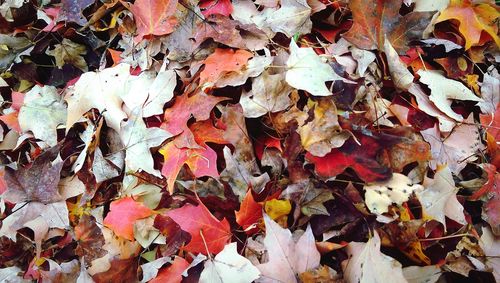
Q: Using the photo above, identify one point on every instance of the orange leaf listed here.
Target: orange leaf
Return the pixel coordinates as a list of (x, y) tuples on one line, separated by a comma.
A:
[(123, 214), (473, 20), (173, 273), (207, 232), (154, 17), (374, 20), (250, 214), (223, 61)]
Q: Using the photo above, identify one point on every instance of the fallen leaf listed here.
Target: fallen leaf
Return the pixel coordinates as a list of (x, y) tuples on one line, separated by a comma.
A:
[(378, 196), (269, 94), (439, 198), (123, 214), (69, 52), (137, 139), (38, 182), (286, 257), (293, 17), (208, 234), (366, 263), (306, 71), (221, 62), (228, 266), (373, 22), (72, 11), (473, 19), (361, 158), (456, 148), (250, 214), (153, 17), (491, 247), (42, 112), (172, 273)]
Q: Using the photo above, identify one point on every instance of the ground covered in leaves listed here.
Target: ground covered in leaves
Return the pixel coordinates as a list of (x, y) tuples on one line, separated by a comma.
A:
[(249, 141)]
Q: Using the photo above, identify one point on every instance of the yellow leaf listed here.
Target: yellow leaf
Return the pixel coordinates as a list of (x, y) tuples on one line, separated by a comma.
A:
[(278, 210)]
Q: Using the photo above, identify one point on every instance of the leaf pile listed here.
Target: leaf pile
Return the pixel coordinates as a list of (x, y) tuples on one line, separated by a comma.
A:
[(249, 141)]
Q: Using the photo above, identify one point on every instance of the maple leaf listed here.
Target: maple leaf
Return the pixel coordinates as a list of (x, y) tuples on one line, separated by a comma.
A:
[(473, 19), (200, 158), (249, 214), (221, 62), (306, 71), (123, 270), (374, 21), (456, 148), (69, 52), (208, 234), (362, 159), (397, 190), (269, 94), (198, 106), (211, 7), (229, 266), (439, 198), (172, 273), (123, 214), (42, 111), (322, 133), (72, 11), (293, 17), (38, 182), (137, 140), (154, 17), (90, 238), (491, 247), (443, 90), (286, 257), (367, 263)]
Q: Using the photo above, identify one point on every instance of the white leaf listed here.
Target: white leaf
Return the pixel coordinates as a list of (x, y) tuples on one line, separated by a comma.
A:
[(269, 94), (396, 190), (444, 90), (456, 148), (150, 269), (149, 91), (137, 140), (308, 72), (291, 18), (439, 198), (287, 258), (490, 92), (366, 264), (491, 247), (42, 111), (229, 267), (422, 274)]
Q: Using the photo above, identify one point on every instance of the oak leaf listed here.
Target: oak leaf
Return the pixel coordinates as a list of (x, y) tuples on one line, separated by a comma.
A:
[(123, 214), (208, 234)]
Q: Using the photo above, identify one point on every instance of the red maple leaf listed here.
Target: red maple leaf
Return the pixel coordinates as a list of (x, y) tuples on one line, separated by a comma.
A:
[(123, 214), (208, 234), (250, 214)]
